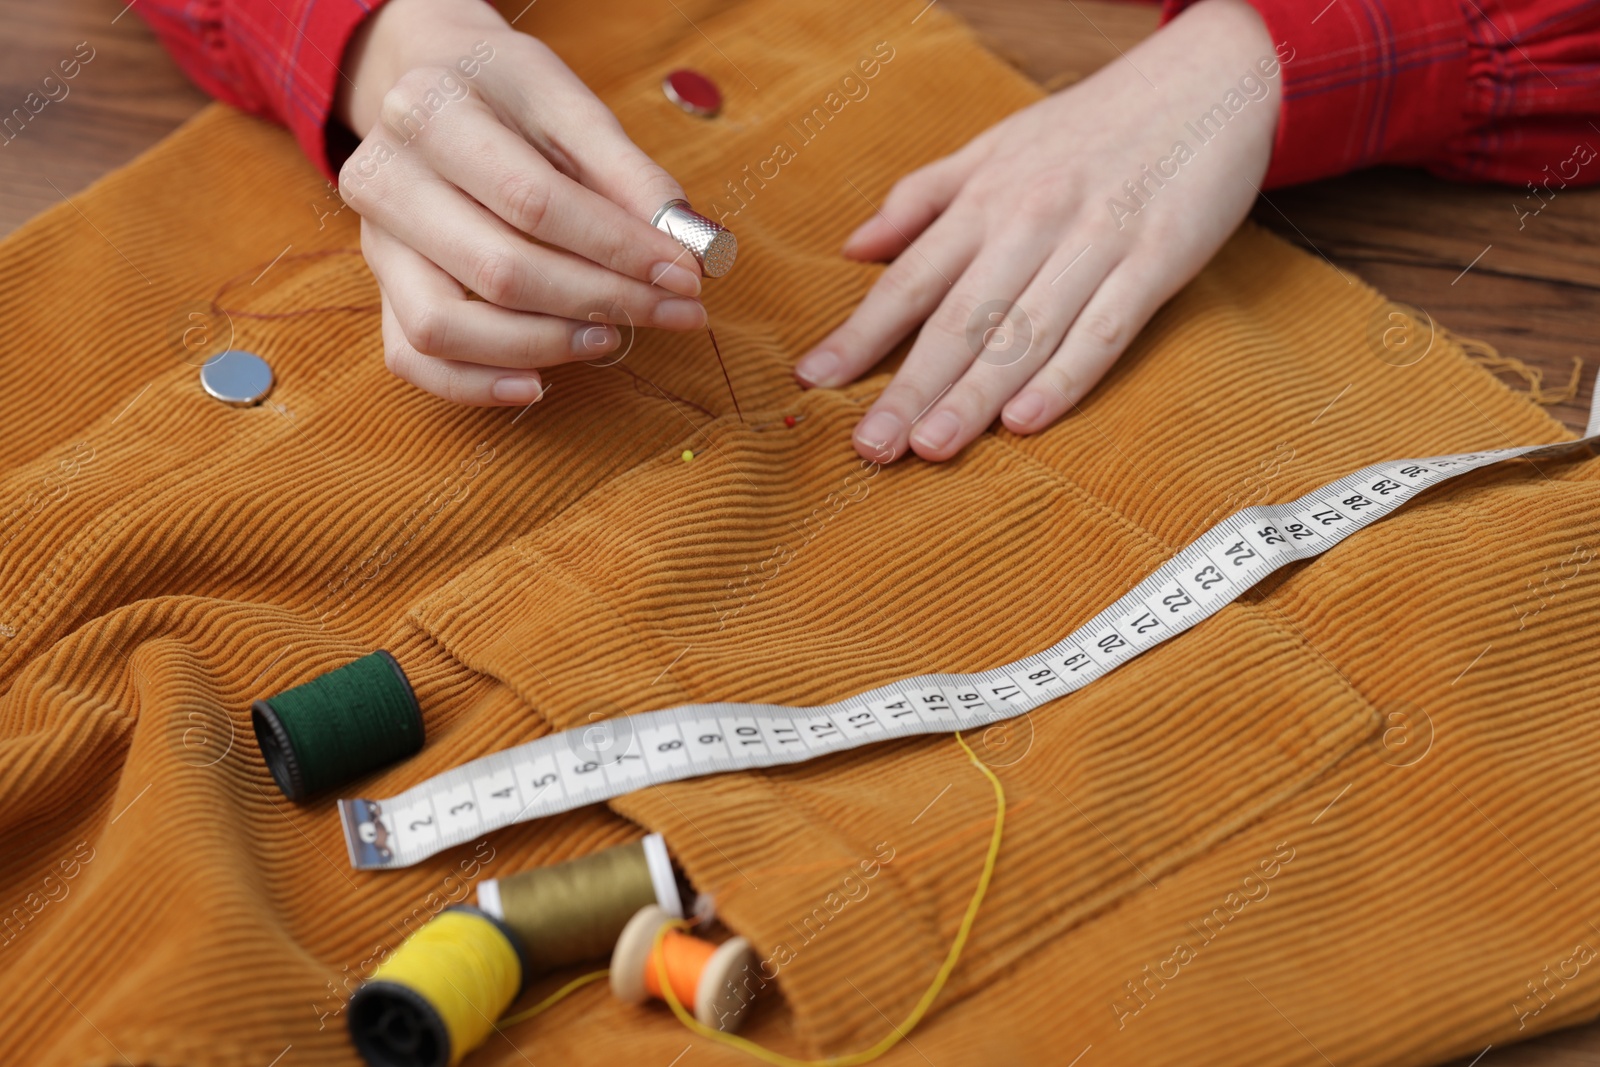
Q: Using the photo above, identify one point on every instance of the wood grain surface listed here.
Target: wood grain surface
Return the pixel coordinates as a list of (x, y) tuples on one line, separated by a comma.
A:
[(122, 101), (1460, 254)]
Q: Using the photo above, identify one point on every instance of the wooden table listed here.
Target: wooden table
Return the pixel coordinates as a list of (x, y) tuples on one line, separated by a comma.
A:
[(1453, 251)]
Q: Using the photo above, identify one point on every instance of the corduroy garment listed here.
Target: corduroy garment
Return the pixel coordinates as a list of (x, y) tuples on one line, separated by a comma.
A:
[(1213, 855)]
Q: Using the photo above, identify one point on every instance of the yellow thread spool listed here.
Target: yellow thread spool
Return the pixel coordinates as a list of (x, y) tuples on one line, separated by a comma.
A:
[(709, 974), (437, 997)]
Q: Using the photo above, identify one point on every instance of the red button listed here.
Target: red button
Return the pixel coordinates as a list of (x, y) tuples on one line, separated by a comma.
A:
[(693, 91)]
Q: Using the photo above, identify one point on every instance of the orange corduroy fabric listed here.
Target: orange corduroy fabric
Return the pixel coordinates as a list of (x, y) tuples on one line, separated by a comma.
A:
[(1223, 852)]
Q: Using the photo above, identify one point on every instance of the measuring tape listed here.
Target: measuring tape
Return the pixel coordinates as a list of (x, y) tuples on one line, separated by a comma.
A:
[(606, 759)]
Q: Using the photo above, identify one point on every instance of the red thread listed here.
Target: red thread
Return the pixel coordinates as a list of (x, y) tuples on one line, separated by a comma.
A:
[(218, 309), (670, 397)]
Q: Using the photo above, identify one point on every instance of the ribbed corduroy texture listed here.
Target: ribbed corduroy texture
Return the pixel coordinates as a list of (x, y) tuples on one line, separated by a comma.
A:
[(168, 559)]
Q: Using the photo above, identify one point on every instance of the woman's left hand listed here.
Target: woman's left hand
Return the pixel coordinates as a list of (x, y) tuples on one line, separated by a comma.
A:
[(1031, 282)]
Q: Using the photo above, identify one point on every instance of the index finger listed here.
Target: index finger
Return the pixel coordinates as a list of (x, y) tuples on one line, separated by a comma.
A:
[(494, 165)]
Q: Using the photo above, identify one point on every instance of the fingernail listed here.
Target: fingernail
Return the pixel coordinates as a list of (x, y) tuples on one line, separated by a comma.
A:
[(593, 340), (880, 432), (677, 278), (517, 390), (860, 232), (819, 368), (678, 314), (1025, 410), (937, 431)]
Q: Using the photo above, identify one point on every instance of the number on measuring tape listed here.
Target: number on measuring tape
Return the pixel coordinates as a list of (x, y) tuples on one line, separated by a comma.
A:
[(1036, 682), (1299, 531), (1139, 622), (457, 809), (884, 714), (744, 735), (663, 747), (861, 722), (966, 703), (933, 705), (414, 826), (820, 732), (1074, 660), (704, 740), (626, 768), (497, 794), (538, 780), (781, 736), (558, 772)]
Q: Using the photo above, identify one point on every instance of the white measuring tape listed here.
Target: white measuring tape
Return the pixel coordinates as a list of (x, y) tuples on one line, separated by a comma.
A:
[(606, 759)]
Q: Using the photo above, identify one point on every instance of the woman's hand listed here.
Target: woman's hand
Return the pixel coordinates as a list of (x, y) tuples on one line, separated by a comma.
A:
[(1037, 252), (489, 167)]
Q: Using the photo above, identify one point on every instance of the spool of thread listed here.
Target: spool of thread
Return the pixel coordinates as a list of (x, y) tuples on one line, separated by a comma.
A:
[(706, 978), (338, 726), (436, 998), (575, 911)]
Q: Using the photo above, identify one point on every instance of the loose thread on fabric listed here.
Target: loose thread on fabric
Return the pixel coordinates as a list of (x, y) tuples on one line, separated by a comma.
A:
[(553, 999), (239, 313), (898, 1033), (664, 394), (735, 886), (1489, 358)]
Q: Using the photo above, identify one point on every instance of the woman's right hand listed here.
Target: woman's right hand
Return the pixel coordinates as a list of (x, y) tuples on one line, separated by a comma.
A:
[(488, 167)]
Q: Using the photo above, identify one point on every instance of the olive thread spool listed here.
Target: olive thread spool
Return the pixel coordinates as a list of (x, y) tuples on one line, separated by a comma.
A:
[(436, 998), (705, 977), (338, 726), (574, 911)]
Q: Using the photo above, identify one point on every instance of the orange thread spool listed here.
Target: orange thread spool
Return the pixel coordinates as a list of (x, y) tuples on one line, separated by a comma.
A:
[(686, 958), (715, 982)]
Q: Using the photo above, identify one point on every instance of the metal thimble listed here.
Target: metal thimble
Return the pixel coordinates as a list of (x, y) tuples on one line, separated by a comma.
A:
[(712, 245)]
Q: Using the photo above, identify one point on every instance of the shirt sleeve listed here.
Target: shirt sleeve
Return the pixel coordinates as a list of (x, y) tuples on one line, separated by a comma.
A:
[(279, 59), (1481, 90)]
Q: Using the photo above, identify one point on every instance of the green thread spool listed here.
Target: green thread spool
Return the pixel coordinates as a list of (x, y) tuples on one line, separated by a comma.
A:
[(575, 911), (338, 726), (436, 998)]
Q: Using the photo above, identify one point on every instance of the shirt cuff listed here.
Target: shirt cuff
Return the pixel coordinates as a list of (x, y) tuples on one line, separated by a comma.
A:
[(306, 96), (1362, 83)]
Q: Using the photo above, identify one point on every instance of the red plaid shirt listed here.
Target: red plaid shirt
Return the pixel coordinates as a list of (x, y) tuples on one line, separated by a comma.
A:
[(277, 58), (1488, 90), (1483, 90)]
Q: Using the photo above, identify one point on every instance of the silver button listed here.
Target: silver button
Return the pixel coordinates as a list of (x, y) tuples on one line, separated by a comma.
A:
[(237, 377)]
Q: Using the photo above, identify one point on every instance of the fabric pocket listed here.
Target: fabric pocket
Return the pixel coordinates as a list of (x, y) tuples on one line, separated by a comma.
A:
[(779, 567)]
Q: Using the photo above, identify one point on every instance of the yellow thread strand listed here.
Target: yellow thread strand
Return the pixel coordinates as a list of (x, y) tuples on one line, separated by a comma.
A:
[(889, 1041), (554, 998)]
